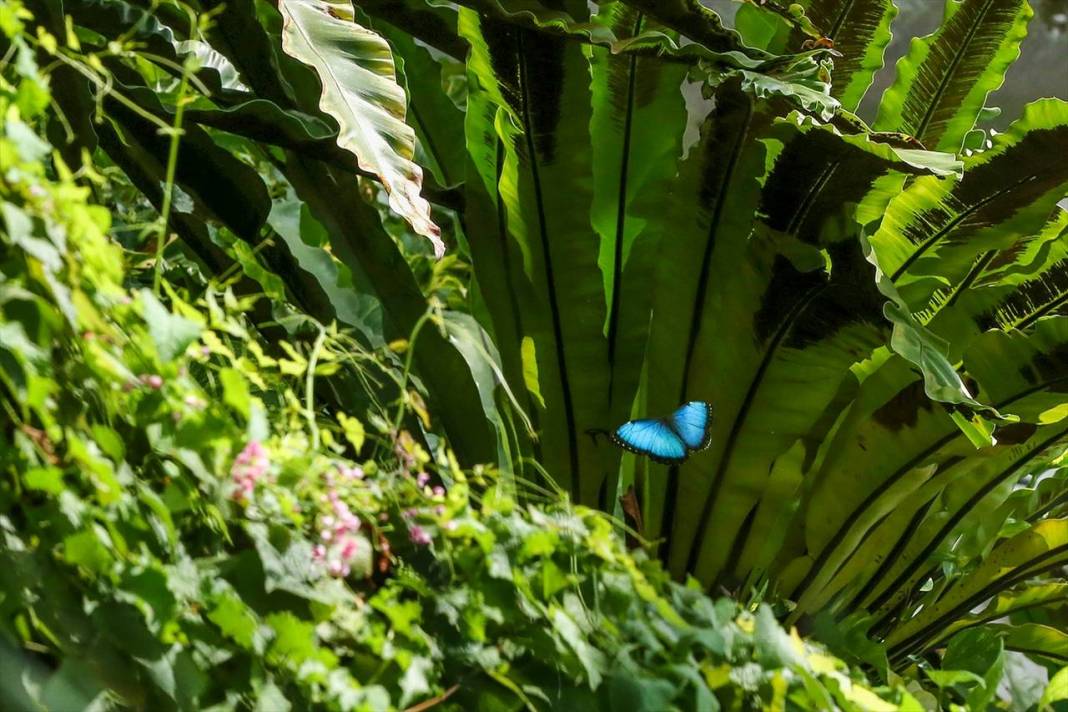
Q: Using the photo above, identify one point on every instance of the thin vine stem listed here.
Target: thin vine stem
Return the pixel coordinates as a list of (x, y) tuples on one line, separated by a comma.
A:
[(309, 387), (168, 187)]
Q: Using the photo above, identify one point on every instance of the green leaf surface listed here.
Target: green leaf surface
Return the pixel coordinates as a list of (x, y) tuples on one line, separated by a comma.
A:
[(287, 566), (413, 683), (265, 121), (220, 185), (171, 333), (541, 181), (1057, 690), (1008, 288), (159, 36), (85, 549), (567, 18), (1040, 641), (942, 83), (981, 651), (352, 300), (795, 282), (1042, 546), (692, 19), (635, 161)]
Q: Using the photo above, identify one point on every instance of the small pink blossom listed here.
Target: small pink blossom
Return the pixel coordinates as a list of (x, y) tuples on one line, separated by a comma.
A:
[(418, 535), (351, 473), (250, 465), (348, 524), (422, 479), (153, 381), (438, 491), (451, 525), (348, 549), (318, 552)]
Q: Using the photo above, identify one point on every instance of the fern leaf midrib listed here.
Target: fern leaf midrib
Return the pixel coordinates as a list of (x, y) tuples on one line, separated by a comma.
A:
[(893, 555), (854, 516), (743, 414), (1048, 507), (1036, 653), (847, 7), (969, 279), (1041, 312), (943, 84), (621, 211), (981, 620), (554, 307), (995, 586), (947, 527), (698, 314), (957, 220), (758, 378)]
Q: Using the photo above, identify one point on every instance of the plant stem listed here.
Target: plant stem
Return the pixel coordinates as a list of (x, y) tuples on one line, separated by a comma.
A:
[(309, 387), (168, 187)]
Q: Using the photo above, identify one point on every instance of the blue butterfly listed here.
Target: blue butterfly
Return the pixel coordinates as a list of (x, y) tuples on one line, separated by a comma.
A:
[(668, 440)]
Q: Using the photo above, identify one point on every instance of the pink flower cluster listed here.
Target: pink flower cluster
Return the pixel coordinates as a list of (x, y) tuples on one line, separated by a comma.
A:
[(418, 535), (249, 467), (350, 473), (338, 543)]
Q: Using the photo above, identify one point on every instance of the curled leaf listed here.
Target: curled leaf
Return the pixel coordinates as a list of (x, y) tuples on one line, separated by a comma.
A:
[(360, 91)]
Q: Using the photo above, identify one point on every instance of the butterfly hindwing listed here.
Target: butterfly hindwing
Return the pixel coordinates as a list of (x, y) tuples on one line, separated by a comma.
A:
[(652, 437), (693, 424)]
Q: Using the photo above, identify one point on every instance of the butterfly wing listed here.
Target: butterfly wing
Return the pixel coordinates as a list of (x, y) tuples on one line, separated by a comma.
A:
[(653, 437), (693, 423)]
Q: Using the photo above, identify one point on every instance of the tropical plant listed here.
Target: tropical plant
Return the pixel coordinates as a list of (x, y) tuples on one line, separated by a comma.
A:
[(656, 208), (180, 527)]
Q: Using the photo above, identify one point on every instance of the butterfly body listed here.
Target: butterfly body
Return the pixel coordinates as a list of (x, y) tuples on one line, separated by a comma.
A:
[(668, 440)]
